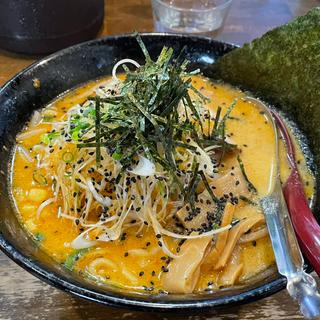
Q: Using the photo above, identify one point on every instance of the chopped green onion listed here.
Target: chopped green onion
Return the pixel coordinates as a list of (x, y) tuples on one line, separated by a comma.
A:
[(47, 138), (75, 135), (48, 118), (39, 236), (39, 178), (49, 115), (74, 257), (117, 156), (67, 157)]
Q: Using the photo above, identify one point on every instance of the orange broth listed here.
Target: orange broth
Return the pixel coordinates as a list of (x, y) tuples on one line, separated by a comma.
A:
[(129, 266)]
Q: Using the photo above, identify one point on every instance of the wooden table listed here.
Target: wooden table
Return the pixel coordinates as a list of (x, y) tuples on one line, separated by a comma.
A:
[(23, 296)]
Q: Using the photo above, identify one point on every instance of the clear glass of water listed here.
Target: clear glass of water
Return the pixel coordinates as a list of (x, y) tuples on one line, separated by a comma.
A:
[(189, 16)]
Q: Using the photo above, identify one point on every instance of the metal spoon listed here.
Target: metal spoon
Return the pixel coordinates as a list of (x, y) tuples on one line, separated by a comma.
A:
[(300, 285)]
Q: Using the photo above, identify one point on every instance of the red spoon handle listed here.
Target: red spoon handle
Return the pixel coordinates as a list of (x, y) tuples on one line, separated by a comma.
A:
[(306, 226)]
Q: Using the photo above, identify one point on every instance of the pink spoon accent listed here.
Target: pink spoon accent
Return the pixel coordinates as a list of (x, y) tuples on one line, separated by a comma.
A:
[(306, 226)]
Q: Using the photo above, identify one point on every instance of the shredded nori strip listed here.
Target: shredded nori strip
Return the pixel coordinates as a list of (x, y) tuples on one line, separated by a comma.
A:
[(251, 187), (97, 128), (247, 200), (145, 113)]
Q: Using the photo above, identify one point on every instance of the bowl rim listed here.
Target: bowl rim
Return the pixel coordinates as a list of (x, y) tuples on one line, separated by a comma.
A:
[(115, 299)]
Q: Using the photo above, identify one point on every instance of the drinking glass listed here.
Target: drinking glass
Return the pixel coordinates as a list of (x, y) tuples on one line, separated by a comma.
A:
[(189, 16)]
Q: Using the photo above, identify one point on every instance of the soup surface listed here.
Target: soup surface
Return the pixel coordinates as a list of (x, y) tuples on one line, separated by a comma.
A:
[(139, 230)]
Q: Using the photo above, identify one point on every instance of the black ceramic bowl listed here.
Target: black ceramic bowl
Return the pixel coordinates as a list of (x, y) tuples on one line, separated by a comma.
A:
[(57, 74)]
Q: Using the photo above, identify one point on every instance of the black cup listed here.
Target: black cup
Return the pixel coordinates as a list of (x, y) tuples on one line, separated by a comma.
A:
[(44, 26)]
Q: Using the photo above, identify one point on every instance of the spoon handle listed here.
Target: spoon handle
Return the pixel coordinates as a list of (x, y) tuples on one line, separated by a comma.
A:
[(303, 288), (300, 285), (305, 224), (303, 220)]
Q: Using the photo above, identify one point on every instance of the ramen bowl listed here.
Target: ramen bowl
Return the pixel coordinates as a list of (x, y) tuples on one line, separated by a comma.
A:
[(54, 76)]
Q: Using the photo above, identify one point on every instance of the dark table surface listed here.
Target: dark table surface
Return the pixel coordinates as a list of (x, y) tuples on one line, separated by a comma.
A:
[(23, 296)]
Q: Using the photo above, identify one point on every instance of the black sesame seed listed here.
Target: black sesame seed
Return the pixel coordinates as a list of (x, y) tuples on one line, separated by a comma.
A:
[(164, 269)]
